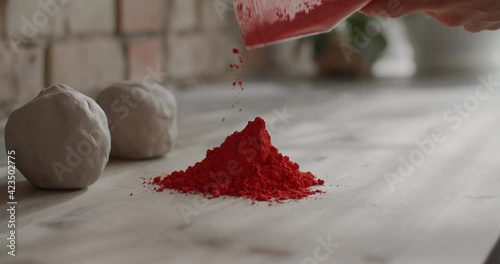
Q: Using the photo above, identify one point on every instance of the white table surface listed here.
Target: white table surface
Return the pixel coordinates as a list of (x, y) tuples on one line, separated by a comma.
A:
[(447, 211)]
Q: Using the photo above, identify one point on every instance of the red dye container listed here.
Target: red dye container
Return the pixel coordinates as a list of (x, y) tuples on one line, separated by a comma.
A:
[(268, 22)]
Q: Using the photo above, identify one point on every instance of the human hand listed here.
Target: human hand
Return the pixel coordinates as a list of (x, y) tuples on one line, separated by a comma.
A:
[(473, 15)]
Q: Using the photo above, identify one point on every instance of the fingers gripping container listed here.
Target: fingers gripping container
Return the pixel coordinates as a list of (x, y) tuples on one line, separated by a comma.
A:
[(268, 22)]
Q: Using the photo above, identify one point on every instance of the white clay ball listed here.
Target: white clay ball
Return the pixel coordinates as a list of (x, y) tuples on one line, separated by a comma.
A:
[(61, 139), (142, 119)]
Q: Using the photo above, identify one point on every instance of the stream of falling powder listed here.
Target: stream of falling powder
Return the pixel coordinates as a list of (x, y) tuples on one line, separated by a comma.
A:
[(237, 71)]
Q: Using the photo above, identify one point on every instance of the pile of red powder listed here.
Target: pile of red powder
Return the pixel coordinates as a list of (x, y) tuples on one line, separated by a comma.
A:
[(245, 165)]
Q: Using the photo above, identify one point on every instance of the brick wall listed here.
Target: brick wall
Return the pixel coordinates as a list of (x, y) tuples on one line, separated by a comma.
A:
[(89, 44)]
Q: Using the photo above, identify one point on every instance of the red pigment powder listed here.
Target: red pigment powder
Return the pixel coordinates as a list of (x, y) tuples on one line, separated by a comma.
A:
[(238, 77), (266, 22), (245, 165)]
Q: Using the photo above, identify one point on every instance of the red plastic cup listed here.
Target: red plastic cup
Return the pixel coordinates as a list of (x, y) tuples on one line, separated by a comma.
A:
[(268, 22)]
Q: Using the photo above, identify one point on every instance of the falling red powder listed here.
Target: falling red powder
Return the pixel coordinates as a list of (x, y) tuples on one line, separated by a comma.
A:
[(245, 165), (234, 66), (238, 77)]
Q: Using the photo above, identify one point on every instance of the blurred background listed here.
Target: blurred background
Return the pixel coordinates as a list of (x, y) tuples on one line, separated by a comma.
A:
[(187, 43)]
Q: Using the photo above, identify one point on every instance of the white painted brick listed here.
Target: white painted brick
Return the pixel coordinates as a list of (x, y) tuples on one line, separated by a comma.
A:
[(21, 75), (87, 65), (29, 71), (145, 56), (31, 19), (3, 6), (197, 55), (91, 16), (182, 56), (216, 51), (183, 15), (141, 16), (7, 88), (211, 19)]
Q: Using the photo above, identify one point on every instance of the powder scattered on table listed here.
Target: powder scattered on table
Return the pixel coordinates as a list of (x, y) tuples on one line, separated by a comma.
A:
[(245, 165)]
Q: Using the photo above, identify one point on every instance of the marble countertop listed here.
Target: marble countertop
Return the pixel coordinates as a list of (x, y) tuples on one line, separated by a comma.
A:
[(354, 136)]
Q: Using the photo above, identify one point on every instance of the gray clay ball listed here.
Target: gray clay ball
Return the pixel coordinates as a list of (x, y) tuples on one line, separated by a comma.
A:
[(142, 119), (61, 139)]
